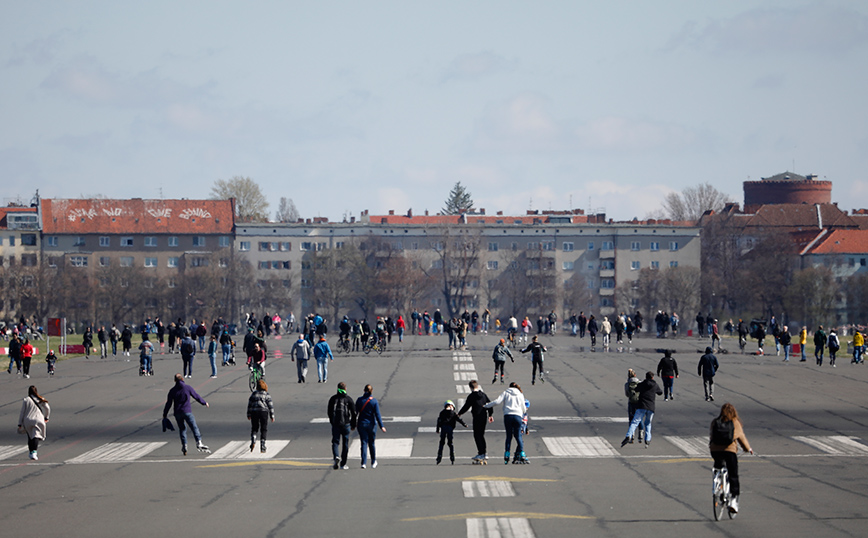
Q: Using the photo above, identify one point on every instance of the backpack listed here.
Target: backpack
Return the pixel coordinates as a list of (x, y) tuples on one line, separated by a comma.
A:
[(187, 348), (342, 414), (722, 432), (634, 391)]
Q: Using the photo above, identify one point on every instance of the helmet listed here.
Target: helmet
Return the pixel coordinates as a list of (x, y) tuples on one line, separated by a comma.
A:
[(447, 403), (527, 404)]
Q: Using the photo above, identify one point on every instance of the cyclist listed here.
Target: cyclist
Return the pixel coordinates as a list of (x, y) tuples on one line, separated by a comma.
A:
[(727, 427), (257, 358), (345, 329), (511, 328)]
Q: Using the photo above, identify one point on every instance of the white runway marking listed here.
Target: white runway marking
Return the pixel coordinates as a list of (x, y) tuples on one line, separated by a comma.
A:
[(465, 366), (499, 527), (487, 488), (325, 420), (692, 446), (464, 376), (240, 450), (835, 444), (462, 389), (116, 452), (579, 446), (9, 451), (580, 419), (401, 448), (461, 429)]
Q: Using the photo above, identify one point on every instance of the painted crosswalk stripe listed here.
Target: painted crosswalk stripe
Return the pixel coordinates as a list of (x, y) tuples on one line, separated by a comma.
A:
[(487, 488), (462, 389), (579, 446), (499, 527), (464, 376), (464, 366), (116, 452), (580, 420), (692, 446), (240, 450), (459, 429), (839, 445), (400, 448), (325, 420), (9, 451), (462, 356)]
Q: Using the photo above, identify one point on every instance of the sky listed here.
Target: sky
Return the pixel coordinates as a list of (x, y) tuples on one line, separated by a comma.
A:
[(379, 105)]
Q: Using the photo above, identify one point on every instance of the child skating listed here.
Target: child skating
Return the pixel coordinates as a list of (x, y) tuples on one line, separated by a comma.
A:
[(51, 359), (445, 427)]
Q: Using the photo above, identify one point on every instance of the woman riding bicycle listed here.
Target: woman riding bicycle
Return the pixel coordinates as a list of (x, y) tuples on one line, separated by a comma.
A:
[(725, 454)]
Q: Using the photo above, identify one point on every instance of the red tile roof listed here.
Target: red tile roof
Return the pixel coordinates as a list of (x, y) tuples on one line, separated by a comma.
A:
[(73, 216), (843, 242), (6, 210)]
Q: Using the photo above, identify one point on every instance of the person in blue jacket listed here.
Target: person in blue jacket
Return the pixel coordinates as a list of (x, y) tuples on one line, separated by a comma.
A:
[(368, 410), (323, 354)]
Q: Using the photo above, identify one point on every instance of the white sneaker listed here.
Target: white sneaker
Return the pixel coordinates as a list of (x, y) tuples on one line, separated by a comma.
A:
[(364, 466), (733, 505), (33, 455), (345, 467), (374, 465)]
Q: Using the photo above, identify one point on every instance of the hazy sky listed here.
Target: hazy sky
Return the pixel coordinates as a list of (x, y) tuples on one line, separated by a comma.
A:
[(346, 106)]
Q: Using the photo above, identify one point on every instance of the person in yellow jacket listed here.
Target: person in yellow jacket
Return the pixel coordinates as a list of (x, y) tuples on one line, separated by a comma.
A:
[(858, 346), (803, 339)]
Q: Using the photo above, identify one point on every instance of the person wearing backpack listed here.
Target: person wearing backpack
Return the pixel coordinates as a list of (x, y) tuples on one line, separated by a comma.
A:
[(708, 366), (342, 416), (632, 393), (834, 345), (644, 414), (726, 434)]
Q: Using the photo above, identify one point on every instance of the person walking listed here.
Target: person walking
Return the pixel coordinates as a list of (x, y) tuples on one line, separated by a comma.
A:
[(188, 353), (667, 370), (725, 435), (803, 341), (834, 345), (323, 354), (631, 391), (26, 356), (446, 427), (592, 330), (127, 340), (32, 419), (212, 355), (14, 353), (475, 402), (146, 352), (648, 392), (300, 353), (499, 355), (260, 409), (102, 337), (342, 416), (858, 346), (536, 352), (514, 407), (87, 342), (226, 347), (707, 367), (785, 339), (368, 410), (180, 400), (114, 336), (820, 340)]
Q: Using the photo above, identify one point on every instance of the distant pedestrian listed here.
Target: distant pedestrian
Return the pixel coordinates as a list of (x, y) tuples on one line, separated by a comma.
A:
[(858, 346), (26, 356), (834, 345), (820, 339), (707, 367), (87, 342), (127, 340), (513, 411), (342, 417), (631, 391), (102, 337), (180, 399), (475, 402), (188, 353), (212, 354), (536, 351), (648, 392), (260, 409), (323, 354), (51, 360), (369, 418), (667, 370), (300, 353), (445, 427), (803, 342), (785, 339), (32, 419), (499, 355), (146, 352)]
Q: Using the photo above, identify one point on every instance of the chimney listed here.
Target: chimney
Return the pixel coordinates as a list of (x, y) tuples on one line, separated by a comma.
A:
[(410, 213), (391, 212), (482, 211), (426, 212)]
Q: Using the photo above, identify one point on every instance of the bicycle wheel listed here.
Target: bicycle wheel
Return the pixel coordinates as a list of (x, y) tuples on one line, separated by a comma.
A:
[(366, 349), (717, 496), (381, 348)]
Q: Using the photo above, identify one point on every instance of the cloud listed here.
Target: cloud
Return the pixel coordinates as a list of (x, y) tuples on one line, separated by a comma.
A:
[(522, 122), (478, 65), (623, 134), (39, 51), (816, 28)]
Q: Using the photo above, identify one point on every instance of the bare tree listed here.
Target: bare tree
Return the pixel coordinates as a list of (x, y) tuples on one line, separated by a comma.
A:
[(250, 204), (286, 211), (812, 296), (456, 266), (693, 202)]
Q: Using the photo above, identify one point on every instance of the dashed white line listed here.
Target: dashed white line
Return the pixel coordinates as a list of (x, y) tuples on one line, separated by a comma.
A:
[(116, 452), (9, 451), (579, 446), (487, 488), (240, 450), (692, 446), (499, 527), (387, 448), (835, 444)]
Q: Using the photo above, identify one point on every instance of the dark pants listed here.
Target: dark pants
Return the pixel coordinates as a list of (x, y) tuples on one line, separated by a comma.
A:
[(537, 364), (259, 423), (26, 363), (479, 423), (446, 438), (731, 461), (32, 443), (498, 365), (341, 439), (668, 381)]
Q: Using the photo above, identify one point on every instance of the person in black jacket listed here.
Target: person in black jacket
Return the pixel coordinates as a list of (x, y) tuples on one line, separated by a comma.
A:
[(342, 416), (707, 367), (648, 391), (475, 402), (536, 352), (445, 427), (667, 369)]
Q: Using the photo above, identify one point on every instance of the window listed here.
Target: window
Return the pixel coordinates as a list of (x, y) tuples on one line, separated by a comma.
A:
[(568, 266), (513, 246), (223, 262), (305, 245), (198, 241), (673, 264), (150, 262), (173, 262), (28, 240), (199, 262), (305, 265), (673, 245), (607, 245), (305, 283), (173, 241), (223, 242), (437, 264), (79, 242), (265, 265), (266, 246), (568, 246), (532, 245), (634, 245), (548, 245), (28, 260), (590, 245), (171, 283), (244, 246), (52, 241), (655, 246), (126, 241), (607, 283), (104, 261), (287, 246), (78, 261), (635, 266), (287, 265), (126, 261), (398, 245), (492, 265), (607, 264), (591, 284), (150, 241), (52, 261), (413, 246), (492, 247), (103, 281), (655, 265), (533, 264)]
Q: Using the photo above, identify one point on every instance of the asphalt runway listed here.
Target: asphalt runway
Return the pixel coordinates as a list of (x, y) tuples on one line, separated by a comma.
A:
[(108, 469)]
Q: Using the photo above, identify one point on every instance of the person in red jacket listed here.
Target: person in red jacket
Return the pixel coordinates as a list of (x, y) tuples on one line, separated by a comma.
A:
[(26, 356), (400, 326)]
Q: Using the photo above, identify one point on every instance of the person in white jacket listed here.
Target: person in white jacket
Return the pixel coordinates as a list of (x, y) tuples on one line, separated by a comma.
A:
[(34, 415), (513, 411)]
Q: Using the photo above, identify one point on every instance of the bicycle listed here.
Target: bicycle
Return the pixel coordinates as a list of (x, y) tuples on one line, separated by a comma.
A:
[(256, 373), (344, 344), (373, 344), (720, 494)]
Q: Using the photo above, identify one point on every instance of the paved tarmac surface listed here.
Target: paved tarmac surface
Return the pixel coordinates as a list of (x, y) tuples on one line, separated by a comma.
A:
[(107, 469)]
